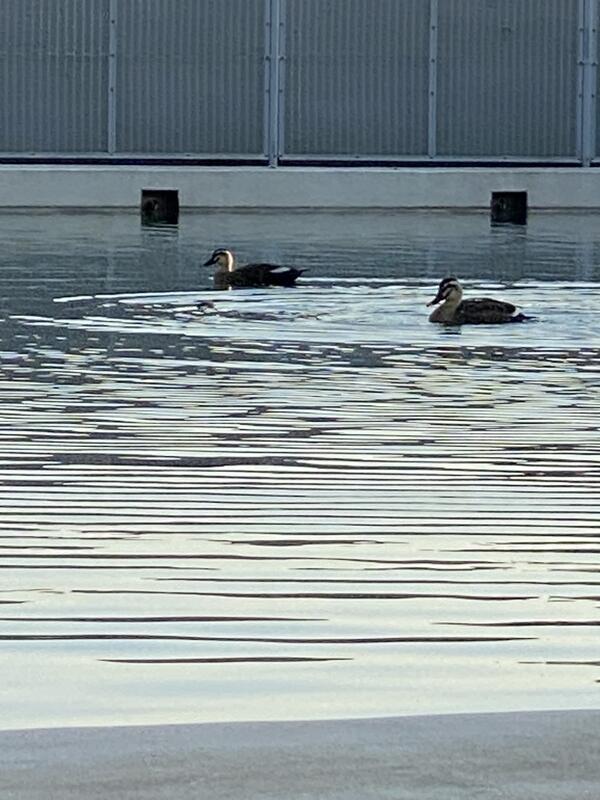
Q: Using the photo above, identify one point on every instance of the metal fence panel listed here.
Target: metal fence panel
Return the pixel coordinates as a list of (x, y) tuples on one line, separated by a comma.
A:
[(507, 78), (356, 77), (53, 75), (190, 76)]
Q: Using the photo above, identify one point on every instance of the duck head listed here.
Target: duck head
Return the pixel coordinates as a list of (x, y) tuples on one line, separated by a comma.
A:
[(222, 258), (449, 289)]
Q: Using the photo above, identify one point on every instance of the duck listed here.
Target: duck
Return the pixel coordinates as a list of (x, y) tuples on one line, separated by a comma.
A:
[(229, 276), (478, 311)]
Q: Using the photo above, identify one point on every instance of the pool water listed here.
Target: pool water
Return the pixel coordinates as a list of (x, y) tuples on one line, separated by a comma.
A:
[(296, 503)]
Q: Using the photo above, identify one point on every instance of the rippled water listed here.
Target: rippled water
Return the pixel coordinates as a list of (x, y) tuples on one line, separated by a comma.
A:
[(297, 503)]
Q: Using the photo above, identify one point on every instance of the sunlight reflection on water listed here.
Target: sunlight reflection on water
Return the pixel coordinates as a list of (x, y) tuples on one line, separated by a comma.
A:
[(295, 503)]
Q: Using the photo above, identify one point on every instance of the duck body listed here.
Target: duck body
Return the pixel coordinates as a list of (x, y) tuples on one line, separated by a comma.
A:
[(478, 311), (230, 276)]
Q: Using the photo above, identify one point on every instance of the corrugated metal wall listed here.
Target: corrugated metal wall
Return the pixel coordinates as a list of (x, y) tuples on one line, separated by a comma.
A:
[(356, 77), (300, 79), (190, 76), (53, 75), (507, 77), (594, 58)]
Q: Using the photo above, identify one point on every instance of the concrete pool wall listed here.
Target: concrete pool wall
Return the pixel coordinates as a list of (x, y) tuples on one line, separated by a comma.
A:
[(119, 186)]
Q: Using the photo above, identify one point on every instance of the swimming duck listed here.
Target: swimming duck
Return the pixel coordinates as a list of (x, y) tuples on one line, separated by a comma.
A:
[(228, 275), (479, 311)]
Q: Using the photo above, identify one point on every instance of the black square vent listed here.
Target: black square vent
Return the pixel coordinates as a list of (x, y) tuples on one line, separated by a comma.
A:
[(160, 207), (509, 208)]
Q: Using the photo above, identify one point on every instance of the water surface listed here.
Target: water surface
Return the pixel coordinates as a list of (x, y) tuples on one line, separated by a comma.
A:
[(295, 503)]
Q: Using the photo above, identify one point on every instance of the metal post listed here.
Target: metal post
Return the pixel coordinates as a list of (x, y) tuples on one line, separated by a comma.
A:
[(590, 82), (272, 78), (586, 94), (579, 116), (433, 60), (112, 77)]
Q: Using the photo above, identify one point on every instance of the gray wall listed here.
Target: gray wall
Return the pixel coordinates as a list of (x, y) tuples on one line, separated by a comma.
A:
[(356, 77), (53, 75), (390, 80), (507, 77), (190, 76)]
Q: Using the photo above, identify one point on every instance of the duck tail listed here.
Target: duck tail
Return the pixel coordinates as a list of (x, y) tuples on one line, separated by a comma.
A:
[(521, 318), (287, 277)]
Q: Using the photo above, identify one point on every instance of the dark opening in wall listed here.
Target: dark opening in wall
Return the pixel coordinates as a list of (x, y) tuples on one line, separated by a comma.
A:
[(160, 207), (509, 208)]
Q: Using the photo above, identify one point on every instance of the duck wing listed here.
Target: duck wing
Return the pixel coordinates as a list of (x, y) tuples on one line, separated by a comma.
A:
[(254, 275), (284, 276), (484, 311)]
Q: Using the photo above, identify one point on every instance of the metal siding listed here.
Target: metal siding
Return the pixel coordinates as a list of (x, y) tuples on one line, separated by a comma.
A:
[(53, 88), (594, 72), (190, 76), (507, 78), (356, 77)]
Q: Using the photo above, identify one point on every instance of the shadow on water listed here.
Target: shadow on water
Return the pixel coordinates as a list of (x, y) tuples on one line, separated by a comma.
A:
[(295, 503)]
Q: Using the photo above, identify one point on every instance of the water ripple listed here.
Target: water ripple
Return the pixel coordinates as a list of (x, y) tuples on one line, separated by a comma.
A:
[(281, 504)]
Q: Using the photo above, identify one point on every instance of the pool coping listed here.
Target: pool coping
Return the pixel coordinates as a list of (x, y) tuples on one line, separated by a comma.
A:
[(253, 188)]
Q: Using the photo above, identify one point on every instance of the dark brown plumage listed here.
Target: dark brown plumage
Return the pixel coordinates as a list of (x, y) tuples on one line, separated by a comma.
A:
[(483, 311)]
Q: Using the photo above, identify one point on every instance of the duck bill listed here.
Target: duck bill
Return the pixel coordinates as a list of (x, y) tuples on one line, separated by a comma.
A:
[(209, 263), (437, 299)]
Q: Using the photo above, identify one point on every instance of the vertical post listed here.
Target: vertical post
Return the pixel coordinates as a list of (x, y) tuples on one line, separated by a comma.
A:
[(281, 59), (590, 70), (433, 63), (272, 80), (112, 77), (579, 115), (586, 93)]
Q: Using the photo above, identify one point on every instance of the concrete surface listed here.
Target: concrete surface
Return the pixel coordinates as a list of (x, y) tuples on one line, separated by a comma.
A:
[(115, 186)]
